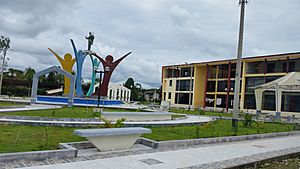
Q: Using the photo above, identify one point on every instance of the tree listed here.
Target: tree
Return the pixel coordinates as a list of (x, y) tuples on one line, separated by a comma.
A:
[(16, 74), (137, 93), (129, 83), (43, 78), (51, 78), (29, 73), (59, 78), (4, 44)]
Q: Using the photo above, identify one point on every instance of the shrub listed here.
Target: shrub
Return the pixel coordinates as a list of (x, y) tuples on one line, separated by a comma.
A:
[(120, 123), (247, 122), (260, 126), (107, 123), (201, 112)]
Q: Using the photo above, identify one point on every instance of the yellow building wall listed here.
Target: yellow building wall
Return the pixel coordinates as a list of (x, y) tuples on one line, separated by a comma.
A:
[(199, 86)]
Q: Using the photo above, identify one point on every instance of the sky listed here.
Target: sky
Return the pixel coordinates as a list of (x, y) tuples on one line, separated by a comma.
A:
[(157, 32)]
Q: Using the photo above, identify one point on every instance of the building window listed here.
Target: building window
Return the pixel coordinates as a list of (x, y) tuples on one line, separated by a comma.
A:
[(223, 71), (271, 68), (212, 72), (255, 67), (222, 86), (210, 100), (184, 85), (183, 98), (211, 86), (170, 83), (172, 72), (221, 101), (186, 72), (291, 67), (169, 95)]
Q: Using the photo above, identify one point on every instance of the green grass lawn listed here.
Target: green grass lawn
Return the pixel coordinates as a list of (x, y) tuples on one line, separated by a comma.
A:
[(17, 138), (197, 112), (218, 128), (4, 104), (73, 112)]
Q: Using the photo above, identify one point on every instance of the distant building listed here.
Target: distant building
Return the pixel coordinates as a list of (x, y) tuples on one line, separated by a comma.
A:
[(151, 95), (211, 84), (117, 92)]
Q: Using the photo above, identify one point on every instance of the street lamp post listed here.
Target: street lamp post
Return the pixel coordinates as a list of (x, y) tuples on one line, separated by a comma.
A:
[(106, 69), (236, 102)]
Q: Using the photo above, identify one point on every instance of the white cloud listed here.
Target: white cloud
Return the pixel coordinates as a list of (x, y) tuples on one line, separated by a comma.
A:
[(158, 32)]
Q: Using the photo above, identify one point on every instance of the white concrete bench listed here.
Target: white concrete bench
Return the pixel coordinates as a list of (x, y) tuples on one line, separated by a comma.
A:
[(112, 138), (137, 116)]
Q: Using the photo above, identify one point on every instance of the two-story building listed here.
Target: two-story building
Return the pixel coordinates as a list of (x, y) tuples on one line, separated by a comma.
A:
[(211, 84)]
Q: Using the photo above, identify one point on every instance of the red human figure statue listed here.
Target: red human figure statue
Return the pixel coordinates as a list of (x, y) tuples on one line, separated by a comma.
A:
[(108, 62)]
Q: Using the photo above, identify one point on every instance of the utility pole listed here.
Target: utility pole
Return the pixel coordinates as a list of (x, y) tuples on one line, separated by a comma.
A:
[(236, 101)]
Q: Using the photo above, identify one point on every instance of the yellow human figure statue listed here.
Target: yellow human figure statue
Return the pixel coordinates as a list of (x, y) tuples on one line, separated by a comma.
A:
[(67, 64)]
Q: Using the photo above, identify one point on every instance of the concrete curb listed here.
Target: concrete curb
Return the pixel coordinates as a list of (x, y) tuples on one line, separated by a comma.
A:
[(216, 140), (38, 155), (49, 118), (82, 122), (191, 142)]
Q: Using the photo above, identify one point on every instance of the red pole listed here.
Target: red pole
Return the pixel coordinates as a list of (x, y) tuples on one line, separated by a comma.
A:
[(287, 64), (228, 86)]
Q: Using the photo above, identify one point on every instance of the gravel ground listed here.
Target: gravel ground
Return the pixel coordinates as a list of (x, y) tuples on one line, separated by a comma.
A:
[(293, 163)]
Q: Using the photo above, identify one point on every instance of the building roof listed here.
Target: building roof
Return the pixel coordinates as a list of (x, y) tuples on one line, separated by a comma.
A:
[(249, 58)]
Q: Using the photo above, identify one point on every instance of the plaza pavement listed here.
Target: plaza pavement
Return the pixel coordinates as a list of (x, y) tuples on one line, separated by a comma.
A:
[(205, 156)]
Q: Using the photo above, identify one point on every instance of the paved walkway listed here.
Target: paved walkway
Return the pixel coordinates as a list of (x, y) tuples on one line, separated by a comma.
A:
[(209, 156)]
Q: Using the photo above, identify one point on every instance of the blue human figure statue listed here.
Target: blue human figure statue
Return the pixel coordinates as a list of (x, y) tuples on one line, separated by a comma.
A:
[(80, 56), (95, 64)]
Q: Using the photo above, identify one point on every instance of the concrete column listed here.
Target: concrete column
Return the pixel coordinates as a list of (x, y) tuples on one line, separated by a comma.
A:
[(258, 99), (34, 89), (121, 94), (278, 97), (71, 94), (115, 94)]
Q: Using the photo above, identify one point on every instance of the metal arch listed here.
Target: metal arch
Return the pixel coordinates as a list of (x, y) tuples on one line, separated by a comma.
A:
[(48, 70)]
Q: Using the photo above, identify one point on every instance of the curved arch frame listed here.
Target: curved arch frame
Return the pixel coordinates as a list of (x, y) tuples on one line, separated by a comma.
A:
[(35, 82)]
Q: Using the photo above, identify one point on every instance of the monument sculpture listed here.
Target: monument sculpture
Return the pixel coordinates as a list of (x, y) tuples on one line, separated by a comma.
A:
[(80, 56), (67, 64), (108, 62), (95, 66), (90, 39)]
